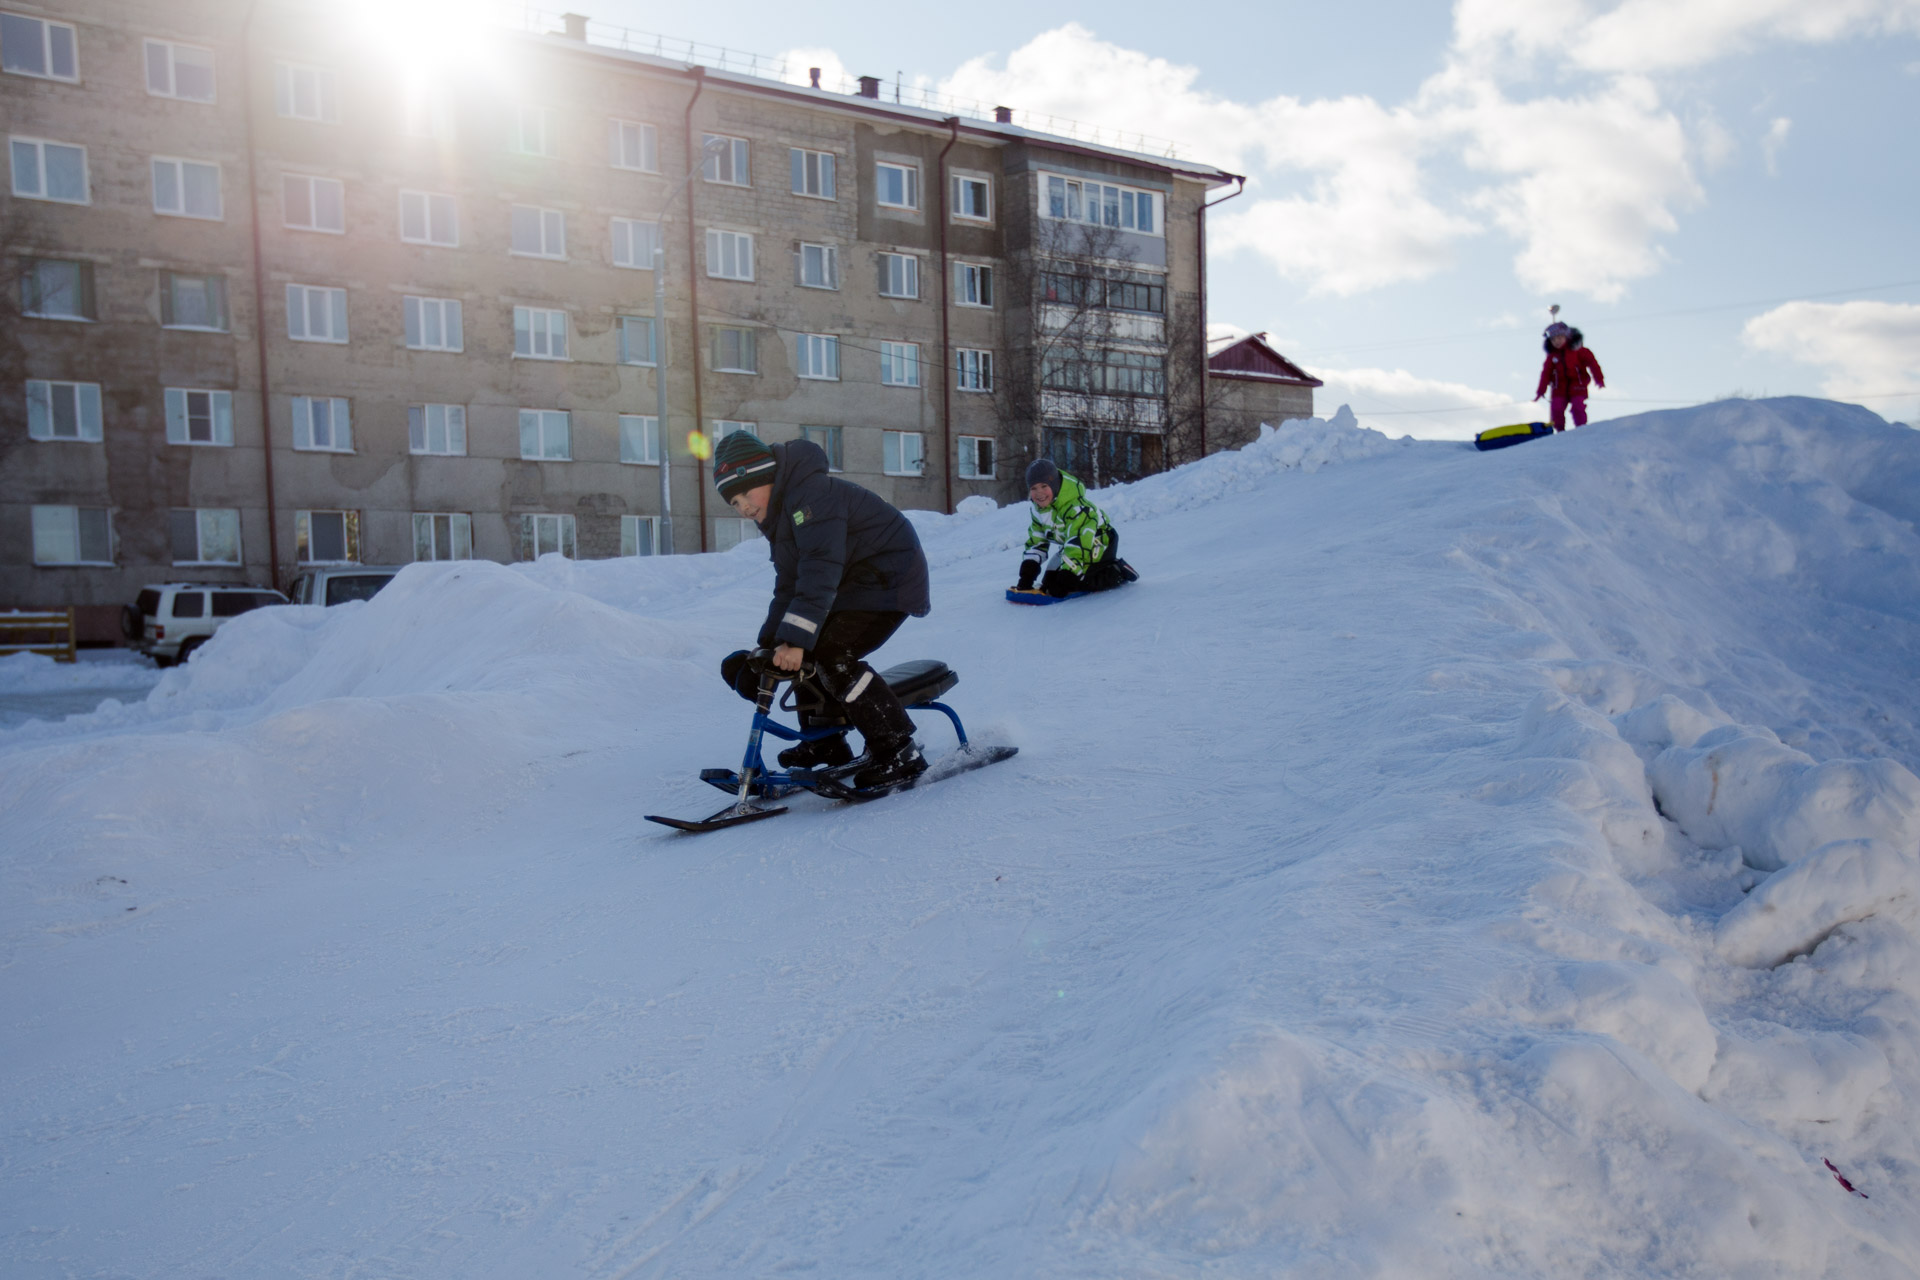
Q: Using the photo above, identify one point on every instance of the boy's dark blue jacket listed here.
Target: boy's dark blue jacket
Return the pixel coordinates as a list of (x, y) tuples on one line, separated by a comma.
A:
[(834, 546)]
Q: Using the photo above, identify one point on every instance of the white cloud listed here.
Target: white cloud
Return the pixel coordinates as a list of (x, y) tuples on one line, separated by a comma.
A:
[(1771, 145), (1401, 404), (1866, 348)]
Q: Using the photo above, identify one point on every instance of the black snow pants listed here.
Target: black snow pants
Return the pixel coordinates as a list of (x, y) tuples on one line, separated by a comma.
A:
[(843, 689)]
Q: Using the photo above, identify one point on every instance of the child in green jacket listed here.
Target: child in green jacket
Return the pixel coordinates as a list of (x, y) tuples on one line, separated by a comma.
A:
[(1089, 544)]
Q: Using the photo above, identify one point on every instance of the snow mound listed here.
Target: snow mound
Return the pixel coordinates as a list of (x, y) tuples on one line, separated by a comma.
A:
[(1793, 911), (37, 673)]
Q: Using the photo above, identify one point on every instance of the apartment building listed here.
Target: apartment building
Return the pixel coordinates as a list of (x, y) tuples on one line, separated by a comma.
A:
[(293, 293)]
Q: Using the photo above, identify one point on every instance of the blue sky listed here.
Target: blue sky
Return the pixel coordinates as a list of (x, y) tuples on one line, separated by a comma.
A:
[(1426, 180)]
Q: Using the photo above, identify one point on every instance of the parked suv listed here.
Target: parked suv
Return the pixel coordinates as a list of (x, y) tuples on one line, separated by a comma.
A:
[(343, 583), (167, 622)]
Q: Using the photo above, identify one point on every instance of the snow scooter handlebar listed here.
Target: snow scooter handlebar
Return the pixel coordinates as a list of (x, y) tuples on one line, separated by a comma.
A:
[(761, 662)]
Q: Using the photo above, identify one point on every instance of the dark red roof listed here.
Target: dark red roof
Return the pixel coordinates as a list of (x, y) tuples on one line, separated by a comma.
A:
[(1253, 360)]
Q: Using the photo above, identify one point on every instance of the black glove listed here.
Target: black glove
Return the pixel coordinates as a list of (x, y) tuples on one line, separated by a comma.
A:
[(738, 672), (1029, 570), (1060, 583)]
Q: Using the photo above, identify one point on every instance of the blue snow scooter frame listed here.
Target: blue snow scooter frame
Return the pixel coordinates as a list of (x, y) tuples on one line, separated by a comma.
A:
[(918, 685)]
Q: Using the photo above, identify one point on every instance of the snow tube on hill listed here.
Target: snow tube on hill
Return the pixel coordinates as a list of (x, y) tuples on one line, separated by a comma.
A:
[(1516, 433)]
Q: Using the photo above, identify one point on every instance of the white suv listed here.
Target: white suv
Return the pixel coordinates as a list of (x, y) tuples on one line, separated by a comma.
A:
[(342, 583), (168, 621)]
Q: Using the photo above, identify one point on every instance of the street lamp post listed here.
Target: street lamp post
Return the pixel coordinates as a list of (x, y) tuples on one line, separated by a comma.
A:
[(713, 147)]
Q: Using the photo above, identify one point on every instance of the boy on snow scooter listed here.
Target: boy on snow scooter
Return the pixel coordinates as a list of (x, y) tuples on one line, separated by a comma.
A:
[(1089, 544)]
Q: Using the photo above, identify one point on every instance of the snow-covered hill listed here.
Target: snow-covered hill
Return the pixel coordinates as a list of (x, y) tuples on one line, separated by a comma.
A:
[(1439, 864)]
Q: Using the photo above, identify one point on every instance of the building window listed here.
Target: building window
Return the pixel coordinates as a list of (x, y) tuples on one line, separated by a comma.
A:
[(316, 314), (425, 112), (63, 410), (729, 532), (632, 145), (545, 535), (972, 199), (179, 71), (972, 284), (812, 173), (193, 301), (817, 266), (34, 47), (899, 275), (1111, 290), (636, 341), (546, 435), (726, 162), (56, 289), (829, 440), (640, 439), (539, 334), (902, 453), (433, 324), (206, 535), (729, 255), (639, 535), (322, 425), (1098, 204), (1105, 373), (313, 204), (724, 427), (896, 186), (634, 243), (972, 370), (735, 350), (186, 188), (536, 131), (326, 537), (199, 417), (817, 355), (72, 535), (49, 170), (437, 429), (442, 536), (976, 458), (429, 218), (305, 93), (539, 233), (899, 364)]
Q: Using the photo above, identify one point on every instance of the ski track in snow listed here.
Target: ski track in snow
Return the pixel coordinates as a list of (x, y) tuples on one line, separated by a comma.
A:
[(1438, 863)]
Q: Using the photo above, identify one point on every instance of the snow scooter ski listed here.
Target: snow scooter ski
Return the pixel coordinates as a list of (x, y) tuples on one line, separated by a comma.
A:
[(918, 685)]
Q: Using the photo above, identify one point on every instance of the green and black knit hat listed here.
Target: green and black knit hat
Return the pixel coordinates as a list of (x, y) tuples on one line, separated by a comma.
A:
[(741, 462)]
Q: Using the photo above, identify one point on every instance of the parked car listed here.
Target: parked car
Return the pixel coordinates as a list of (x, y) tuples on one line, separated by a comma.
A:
[(168, 621), (342, 583)]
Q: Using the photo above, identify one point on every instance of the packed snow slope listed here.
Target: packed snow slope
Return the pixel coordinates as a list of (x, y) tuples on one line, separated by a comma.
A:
[(1438, 864)]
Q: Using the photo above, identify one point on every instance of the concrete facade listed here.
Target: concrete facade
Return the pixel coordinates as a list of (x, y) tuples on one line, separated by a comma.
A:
[(528, 125), (1250, 383)]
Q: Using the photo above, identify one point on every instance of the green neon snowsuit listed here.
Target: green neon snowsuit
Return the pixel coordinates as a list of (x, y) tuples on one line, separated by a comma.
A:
[(1076, 524)]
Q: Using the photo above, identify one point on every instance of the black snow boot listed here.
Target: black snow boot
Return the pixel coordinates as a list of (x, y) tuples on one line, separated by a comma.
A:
[(821, 753), (891, 761)]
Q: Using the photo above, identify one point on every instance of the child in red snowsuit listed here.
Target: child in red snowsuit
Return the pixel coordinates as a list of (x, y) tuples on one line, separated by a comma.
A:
[(1568, 366)]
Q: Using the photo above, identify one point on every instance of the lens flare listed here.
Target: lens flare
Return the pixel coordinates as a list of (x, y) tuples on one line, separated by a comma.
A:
[(698, 445)]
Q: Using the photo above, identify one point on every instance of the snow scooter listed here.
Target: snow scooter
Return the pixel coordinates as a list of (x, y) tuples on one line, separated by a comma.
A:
[(918, 685)]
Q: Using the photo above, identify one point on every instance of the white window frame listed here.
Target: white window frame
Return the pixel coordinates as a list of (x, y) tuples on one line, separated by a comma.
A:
[(1069, 195), (200, 539), (532, 526), (832, 442), (322, 424), (425, 319), (540, 333), (730, 531), (84, 300), (427, 528), (972, 369), (640, 439), (909, 184), (724, 245), (634, 242), (542, 138), (43, 416), (893, 448), (41, 184), (171, 89), (817, 356), (910, 271), (747, 349), (179, 164), (821, 262), (899, 364), (448, 421), (813, 169), (552, 435), (973, 281), (551, 226), (45, 516), (643, 155), (630, 540), (443, 231), (217, 413), (300, 315), (170, 310), (424, 111), (725, 166), (349, 536), (966, 183), (622, 324), (970, 449), (324, 88), (48, 53), (306, 189)]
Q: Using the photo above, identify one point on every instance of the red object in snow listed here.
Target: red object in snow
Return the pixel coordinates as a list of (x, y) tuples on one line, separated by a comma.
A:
[(1841, 1178)]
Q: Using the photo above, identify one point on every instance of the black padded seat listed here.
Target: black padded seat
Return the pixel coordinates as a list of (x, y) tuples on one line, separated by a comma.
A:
[(920, 682)]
